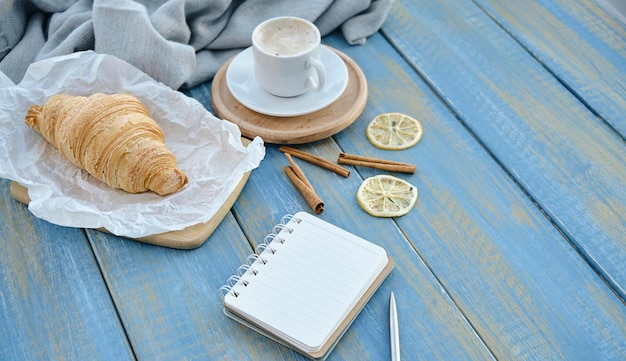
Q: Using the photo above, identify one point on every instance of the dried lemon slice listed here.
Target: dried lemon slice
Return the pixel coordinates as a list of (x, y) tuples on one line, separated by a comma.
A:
[(386, 196), (394, 131)]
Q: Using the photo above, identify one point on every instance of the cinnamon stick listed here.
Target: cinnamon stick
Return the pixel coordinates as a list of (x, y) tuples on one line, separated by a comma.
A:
[(313, 159), (298, 171), (369, 159), (377, 163), (314, 201)]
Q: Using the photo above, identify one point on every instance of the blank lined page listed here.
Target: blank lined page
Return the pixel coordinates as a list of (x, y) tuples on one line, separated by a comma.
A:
[(305, 283)]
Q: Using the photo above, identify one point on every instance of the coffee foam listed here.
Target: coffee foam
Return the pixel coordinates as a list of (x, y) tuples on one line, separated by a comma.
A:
[(286, 38)]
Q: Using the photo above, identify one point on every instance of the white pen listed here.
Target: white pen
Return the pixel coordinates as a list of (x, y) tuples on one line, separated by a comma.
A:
[(393, 329)]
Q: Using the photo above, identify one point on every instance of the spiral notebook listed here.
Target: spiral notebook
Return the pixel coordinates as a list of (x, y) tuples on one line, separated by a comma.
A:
[(305, 284)]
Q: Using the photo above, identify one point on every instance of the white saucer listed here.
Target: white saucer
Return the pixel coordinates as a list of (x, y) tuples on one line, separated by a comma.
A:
[(244, 87)]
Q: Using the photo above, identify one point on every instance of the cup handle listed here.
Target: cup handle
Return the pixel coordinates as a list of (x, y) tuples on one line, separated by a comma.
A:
[(321, 74)]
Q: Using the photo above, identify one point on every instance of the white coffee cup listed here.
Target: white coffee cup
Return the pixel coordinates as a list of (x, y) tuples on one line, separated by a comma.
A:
[(286, 56)]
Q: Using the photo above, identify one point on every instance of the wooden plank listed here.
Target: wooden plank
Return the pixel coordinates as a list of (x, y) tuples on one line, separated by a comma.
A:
[(521, 285), (53, 301), (428, 317), (582, 45), (168, 299), (567, 160), (161, 292), (617, 8)]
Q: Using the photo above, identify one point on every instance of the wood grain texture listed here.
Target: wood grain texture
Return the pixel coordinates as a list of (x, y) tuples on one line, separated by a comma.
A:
[(168, 299), (54, 303), (560, 153), (298, 129), (521, 207), (523, 288), (428, 317), (584, 47)]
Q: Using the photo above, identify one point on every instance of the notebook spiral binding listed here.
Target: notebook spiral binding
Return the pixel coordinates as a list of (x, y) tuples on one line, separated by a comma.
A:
[(256, 256)]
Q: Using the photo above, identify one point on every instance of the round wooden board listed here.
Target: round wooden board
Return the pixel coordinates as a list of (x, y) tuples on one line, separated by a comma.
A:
[(299, 129)]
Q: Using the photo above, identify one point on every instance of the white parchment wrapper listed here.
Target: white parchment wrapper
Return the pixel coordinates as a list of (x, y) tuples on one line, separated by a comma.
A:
[(208, 150)]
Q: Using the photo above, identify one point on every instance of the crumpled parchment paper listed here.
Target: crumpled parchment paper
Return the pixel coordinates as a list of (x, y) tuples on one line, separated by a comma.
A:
[(208, 149)]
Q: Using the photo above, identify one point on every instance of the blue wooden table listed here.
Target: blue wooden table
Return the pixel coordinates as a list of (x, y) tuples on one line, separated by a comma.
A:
[(516, 249)]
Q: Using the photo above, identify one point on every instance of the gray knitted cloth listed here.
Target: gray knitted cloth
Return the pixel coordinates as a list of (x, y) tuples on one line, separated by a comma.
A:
[(180, 43)]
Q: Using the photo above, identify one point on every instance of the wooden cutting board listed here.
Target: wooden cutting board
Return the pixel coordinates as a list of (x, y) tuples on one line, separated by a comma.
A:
[(298, 129), (188, 238)]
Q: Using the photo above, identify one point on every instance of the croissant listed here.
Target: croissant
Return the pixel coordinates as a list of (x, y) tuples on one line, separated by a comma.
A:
[(112, 137)]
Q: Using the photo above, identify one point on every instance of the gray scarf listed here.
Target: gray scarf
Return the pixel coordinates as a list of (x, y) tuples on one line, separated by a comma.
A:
[(180, 43)]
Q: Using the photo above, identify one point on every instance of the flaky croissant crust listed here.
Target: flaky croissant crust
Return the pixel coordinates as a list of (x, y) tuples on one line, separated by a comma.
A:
[(112, 137)]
